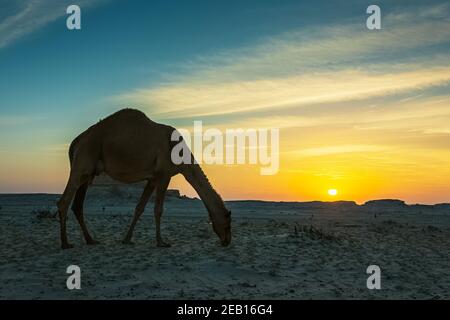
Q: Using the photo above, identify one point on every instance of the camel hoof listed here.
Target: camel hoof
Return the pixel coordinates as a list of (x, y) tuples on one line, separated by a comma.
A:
[(66, 246), (163, 244), (92, 242)]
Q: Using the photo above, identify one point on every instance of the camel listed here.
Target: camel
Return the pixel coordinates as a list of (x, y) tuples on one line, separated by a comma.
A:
[(129, 147)]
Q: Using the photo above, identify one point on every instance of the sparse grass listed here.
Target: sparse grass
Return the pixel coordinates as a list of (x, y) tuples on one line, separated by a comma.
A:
[(313, 232)]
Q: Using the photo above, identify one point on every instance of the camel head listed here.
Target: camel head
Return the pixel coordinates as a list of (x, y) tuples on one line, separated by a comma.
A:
[(221, 223), (219, 215)]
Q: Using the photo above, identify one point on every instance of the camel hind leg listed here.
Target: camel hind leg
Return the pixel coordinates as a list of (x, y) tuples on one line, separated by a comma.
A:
[(80, 173), (77, 208), (63, 205)]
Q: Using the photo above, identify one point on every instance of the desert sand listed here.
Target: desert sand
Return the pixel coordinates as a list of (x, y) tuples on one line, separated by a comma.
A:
[(279, 251)]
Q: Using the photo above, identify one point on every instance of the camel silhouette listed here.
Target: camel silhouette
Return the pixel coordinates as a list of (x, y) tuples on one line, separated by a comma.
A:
[(129, 147)]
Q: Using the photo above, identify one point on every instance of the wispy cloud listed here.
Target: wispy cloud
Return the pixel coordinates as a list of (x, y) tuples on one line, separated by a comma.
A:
[(444, 131), (13, 120), (326, 87), (415, 114), (321, 65), (328, 150), (26, 16), (57, 148)]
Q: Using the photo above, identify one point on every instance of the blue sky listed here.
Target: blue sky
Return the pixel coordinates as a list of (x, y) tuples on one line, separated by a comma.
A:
[(56, 81), (290, 64), (53, 72)]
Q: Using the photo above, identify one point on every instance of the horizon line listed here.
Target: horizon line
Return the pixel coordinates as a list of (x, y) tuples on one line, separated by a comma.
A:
[(262, 200)]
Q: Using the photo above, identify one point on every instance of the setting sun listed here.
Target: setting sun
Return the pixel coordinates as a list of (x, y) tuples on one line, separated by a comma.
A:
[(332, 192)]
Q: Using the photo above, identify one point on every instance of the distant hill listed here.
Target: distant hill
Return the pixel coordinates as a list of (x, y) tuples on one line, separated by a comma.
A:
[(105, 192), (104, 189), (383, 203), (444, 206)]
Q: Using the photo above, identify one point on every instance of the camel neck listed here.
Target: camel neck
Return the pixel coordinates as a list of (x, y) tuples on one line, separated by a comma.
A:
[(198, 180)]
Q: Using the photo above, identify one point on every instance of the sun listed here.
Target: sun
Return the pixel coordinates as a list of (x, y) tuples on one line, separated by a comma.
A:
[(332, 192)]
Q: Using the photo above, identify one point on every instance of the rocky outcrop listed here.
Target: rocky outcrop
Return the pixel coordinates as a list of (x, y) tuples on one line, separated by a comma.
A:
[(106, 190), (386, 203)]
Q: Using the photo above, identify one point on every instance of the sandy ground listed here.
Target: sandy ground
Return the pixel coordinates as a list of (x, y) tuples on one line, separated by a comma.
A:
[(274, 254)]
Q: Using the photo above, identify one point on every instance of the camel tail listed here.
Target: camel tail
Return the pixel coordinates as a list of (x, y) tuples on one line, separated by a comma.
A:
[(72, 151)]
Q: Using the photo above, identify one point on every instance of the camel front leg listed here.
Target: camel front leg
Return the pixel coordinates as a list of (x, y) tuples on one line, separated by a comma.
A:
[(77, 208), (146, 194), (159, 205), (63, 205)]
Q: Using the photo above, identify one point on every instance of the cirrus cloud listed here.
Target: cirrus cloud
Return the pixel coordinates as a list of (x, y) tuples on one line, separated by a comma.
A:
[(326, 64)]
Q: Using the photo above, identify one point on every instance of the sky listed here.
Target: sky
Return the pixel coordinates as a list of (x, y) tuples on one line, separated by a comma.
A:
[(365, 112)]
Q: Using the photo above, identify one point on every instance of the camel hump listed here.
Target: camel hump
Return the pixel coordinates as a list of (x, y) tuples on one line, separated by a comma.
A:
[(130, 111), (129, 114)]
